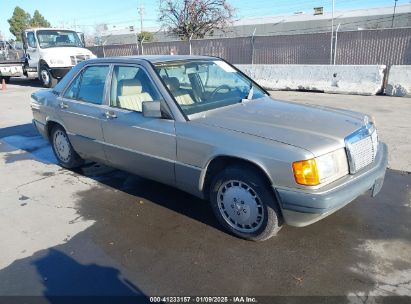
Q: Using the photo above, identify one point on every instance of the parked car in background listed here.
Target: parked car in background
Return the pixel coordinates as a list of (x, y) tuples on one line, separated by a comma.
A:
[(199, 124)]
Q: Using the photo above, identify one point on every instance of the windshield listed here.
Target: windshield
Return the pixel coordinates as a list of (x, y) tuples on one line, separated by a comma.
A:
[(54, 38), (202, 85)]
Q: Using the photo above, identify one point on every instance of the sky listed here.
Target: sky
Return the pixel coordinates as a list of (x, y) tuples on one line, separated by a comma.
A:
[(86, 14)]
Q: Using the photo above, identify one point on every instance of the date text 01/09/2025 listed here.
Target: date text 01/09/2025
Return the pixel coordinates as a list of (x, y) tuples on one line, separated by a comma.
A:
[(203, 299)]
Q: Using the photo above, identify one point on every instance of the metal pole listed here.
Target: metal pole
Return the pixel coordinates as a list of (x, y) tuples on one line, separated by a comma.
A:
[(141, 12), (138, 51), (332, 32), (142, 48), (336, 39), (189, 41), (252, 46), (393, 14)]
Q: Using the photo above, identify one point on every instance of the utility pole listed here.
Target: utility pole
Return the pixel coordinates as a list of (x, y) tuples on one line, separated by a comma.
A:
[(141, 13), (332, 32), (336, 40), (393, 14)]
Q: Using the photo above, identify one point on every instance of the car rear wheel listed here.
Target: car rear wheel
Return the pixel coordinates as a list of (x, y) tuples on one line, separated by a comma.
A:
[(63, 150), (244, 203), (47, 78)]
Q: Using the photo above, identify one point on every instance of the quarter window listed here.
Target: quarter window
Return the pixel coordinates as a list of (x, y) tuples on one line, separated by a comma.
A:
[(130, 87)]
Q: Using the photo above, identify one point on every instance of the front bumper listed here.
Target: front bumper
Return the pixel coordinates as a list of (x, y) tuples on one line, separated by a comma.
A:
[(59, 72), (301, 208)]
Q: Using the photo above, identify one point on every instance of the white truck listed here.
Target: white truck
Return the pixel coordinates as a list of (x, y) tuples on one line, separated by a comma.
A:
[(50, 53)]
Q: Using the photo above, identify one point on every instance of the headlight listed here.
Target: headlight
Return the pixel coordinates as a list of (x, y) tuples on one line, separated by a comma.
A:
[(323, 169), (56, 61)]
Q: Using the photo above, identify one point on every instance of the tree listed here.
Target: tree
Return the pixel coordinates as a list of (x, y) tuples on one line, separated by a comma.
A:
[(18, 22), (38, 20), (147, 36), (195, 18)]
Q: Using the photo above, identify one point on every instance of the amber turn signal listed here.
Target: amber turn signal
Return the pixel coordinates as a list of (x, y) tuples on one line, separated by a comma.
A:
[(306, 172)]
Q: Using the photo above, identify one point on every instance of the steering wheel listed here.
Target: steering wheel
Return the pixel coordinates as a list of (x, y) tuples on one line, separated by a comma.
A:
[(221, 87)]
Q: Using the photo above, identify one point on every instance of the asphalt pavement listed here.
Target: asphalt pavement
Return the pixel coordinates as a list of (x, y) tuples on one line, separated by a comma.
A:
[(101, 231)]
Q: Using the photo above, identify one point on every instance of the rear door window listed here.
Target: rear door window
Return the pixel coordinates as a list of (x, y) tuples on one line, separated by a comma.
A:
[(72, 90), (89, 85), (92, 84)]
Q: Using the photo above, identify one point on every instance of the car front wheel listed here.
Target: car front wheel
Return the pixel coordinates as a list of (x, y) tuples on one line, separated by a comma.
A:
[(244, 204), (63, 150)]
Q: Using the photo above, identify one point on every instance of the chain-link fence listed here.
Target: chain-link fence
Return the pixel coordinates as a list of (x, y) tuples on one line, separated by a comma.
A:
[(386, 46)]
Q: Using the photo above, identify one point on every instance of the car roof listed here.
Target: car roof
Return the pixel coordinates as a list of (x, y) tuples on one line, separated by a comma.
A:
[(157, 58)]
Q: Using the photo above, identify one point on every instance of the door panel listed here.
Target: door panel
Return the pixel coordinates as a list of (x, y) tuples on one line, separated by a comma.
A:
[(32, 50), (144, 146), (83, 126), (82, 112)]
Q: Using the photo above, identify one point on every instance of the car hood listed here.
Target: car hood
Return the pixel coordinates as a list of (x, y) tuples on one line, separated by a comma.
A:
[(313, 128)]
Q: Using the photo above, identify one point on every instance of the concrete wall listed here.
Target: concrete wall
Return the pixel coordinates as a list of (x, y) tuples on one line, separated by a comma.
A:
[(399, 81), (342, 79)]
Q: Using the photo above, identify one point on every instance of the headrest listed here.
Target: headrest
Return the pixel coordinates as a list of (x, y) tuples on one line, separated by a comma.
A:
[(130, 87), (172, 83)]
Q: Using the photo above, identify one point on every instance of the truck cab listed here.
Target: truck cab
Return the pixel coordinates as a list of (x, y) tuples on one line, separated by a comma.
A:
[(51, 53)]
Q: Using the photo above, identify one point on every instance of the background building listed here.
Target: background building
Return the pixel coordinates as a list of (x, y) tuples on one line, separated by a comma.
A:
[(297, 23)]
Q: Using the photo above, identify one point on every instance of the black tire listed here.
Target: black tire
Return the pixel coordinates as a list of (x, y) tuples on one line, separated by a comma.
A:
[(47, 79), (271, 220), (73, 160)]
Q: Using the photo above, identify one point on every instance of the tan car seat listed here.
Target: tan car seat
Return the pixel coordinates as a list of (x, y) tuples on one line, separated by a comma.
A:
[(181, 97), (131, 95)]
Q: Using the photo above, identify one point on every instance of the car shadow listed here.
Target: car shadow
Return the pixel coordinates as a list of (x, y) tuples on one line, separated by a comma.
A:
[(25, 138), (60, 275), (138, 187)]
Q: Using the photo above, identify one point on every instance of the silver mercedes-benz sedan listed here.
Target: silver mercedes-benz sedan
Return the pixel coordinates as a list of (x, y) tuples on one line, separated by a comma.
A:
[(199, 124)]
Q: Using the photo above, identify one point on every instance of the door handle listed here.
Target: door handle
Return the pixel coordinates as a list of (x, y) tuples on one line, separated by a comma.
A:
[(110, 115), (63, 105)]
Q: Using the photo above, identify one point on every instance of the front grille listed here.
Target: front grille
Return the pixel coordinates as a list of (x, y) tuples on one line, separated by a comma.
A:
[(361, 148), (78, 58)]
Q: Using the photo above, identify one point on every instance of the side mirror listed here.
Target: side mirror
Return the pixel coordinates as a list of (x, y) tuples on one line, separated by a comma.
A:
[(81, 35), (152, 109)]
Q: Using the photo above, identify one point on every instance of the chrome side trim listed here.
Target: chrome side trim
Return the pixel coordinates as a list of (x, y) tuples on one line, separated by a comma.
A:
[(134, 151)]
